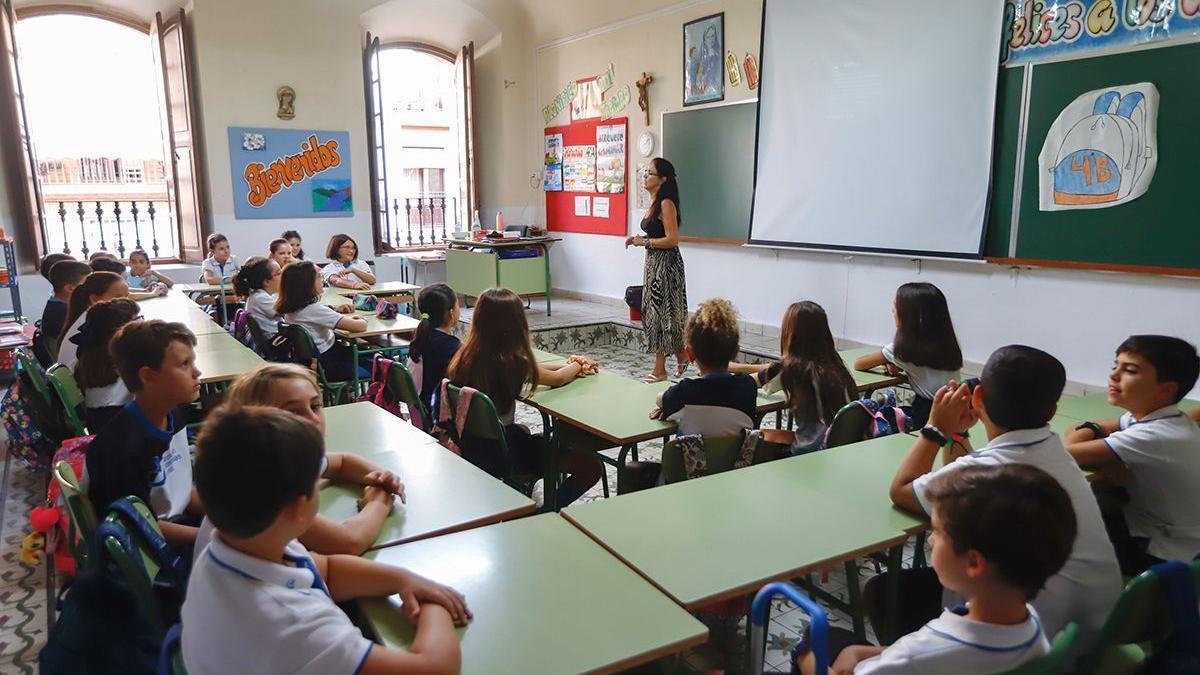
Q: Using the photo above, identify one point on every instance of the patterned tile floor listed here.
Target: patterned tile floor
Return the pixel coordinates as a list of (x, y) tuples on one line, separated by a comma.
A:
[(24, 596)]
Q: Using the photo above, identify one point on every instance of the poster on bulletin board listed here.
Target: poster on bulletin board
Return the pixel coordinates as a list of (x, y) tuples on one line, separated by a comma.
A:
[(594, 196), (290, 173)]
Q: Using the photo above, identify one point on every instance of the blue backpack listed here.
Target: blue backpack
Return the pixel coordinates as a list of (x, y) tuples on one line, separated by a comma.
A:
[(1180, 653)]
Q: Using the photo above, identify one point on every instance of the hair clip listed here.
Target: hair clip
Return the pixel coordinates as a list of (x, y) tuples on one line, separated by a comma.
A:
[(424, 316)]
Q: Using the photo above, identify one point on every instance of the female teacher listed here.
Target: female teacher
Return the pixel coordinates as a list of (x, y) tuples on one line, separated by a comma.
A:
[(664, 297)]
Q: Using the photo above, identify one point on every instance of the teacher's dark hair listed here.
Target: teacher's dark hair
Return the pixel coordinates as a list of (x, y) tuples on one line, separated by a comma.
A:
[(668, 190)]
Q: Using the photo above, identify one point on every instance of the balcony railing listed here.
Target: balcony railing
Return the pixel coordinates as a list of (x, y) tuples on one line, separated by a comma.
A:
[(117, 226), (423, 220)]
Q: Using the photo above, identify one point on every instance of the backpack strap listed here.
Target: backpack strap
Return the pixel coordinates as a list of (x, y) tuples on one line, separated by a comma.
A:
[(749, 445), (1180, 589), (695, 460), (1104, 102), (166, 556)]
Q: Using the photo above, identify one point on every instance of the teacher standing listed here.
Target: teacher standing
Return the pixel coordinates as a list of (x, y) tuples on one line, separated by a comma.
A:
[(664, 296)]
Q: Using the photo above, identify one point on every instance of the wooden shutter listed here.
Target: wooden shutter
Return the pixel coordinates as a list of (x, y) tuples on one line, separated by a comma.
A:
[(171, 49), (25, 193), (464, 77), (381, 221)]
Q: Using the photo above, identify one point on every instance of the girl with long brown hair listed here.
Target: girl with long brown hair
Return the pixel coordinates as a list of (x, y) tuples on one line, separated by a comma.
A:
[(96, 286), (497, 359), (104, 394), (299, 303)]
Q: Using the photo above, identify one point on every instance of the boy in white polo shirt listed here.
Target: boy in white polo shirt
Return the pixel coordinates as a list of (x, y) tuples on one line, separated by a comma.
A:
[(999, 531), (1153, 451), (257, 601), (1017, 395)]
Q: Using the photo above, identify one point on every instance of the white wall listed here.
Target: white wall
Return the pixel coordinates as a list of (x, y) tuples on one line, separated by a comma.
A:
[(1078, 316)]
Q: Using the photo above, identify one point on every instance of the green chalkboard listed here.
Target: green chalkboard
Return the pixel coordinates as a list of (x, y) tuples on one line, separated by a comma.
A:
[(1159, 230), (712, 149)]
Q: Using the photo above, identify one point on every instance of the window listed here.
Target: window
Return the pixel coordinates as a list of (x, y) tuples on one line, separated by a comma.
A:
[(420, 129), (113, 177)]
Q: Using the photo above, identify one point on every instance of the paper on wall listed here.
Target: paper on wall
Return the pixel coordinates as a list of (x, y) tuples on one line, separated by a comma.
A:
[(582, 205), (579, 168), (1102, 149), (610, 158), (643, 197), (552, 181), (600, 207)]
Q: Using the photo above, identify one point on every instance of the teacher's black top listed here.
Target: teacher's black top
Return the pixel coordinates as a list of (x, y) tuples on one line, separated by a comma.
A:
[(653, 227)]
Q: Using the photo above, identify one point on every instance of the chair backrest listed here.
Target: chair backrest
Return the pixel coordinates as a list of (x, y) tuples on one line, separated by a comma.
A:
[(403, 388), (33, 369), (62, 381), (721, 452), (1142, 614), (482, 423), (79, 510), (1053, 661), (849, 425), (136, 561), (256, 334), (304, 349)]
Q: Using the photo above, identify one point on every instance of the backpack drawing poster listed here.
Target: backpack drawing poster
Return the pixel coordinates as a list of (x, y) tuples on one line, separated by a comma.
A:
[(1101, 150)]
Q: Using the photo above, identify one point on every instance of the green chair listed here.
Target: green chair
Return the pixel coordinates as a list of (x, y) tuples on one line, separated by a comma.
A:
[(1053, 661), (33, 369), (304, 351), (849, 425), (482, 429), (138, 567), (721, 451), (401, 387), (82, 517), (1138, 624), (70, 396), (260, 339)]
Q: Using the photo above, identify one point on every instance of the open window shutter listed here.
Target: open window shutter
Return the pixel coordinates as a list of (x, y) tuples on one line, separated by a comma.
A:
[(169, 43), (20, 167), (464, 75), (381, 220)]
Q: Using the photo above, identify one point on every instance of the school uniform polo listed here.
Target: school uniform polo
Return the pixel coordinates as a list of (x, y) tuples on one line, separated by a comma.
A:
[(132, 456), (1163, 451), (221, 270), (334, 267), (925, 381), (68, 352), (248, 615), (720, 404), (261, 308), (1088, 584), (53, 317), (435, 360), (320, 320), (954, 645)]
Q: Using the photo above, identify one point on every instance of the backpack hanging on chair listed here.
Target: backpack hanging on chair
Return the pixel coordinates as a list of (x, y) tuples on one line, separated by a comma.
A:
[(377, 390)]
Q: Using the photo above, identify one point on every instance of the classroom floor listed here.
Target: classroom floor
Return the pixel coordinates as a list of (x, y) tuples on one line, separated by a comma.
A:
[(25, 597)]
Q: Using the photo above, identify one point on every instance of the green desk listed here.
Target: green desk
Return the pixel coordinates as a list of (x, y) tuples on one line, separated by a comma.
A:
[(176, 307), (726, 535), (380, 288), (444, 493), (221, 358), (1096, 407), (472, 267), (386, 332), (868, 381), (366, 429), (546, 599)]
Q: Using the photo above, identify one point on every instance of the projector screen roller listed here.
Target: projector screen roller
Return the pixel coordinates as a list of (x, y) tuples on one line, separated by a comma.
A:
[(875, 125)]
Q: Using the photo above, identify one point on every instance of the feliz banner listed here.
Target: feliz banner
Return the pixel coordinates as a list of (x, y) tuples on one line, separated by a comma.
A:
[(1036, 30)]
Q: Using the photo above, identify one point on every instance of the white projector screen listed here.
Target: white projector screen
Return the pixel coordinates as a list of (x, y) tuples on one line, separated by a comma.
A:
[(875, 122)]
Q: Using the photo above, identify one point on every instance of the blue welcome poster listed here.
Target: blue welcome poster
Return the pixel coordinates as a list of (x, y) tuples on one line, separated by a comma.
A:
[(290, 173)]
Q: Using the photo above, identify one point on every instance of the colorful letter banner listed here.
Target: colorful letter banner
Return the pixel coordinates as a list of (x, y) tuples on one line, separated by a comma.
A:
[(1035, 30), (290, 173)]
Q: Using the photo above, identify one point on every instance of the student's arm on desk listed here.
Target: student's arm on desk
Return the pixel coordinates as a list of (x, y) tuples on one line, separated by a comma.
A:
[(748, 368), (434, 650), (557, 374), (352, 324), (354, 535), (364, 275), (348, 577), (869, 361), (951, 410), (346, 468), (1093, 452)]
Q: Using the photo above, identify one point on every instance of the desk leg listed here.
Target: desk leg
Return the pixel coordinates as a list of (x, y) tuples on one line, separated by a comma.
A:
[(546, 255), (354, 346), (854, 596), (549, 465), (892, 594)]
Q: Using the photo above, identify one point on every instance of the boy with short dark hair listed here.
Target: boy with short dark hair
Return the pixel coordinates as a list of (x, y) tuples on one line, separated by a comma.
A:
[(257, 600), (143, 450), (999, 532), (1017, 395), (1153, 450), (48, 262), (64, 276), (718, 403)]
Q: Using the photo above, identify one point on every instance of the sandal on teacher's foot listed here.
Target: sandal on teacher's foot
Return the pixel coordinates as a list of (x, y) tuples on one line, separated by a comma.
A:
[(682, 369), (652, 378)]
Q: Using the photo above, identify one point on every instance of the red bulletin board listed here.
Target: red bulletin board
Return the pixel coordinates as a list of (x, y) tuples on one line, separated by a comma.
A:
[(560, 205)]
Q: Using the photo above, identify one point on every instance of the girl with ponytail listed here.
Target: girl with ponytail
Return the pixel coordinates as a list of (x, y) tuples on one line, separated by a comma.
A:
[(104, 394), (96, 286), (257, 283), (433, 347)]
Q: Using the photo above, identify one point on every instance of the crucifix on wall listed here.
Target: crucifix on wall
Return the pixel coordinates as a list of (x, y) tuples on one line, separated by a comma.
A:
[(643, 86)]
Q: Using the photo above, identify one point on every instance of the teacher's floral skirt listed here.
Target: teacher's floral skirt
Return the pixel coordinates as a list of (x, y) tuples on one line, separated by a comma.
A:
[(664, 301)]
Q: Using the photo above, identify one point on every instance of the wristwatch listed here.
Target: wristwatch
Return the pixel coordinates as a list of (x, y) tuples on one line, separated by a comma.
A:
[(933, 434), (1097, 430)]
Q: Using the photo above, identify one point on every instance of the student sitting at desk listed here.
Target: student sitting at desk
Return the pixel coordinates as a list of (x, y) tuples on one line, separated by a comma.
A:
[(300, 303), (257, 600), (999, 532), (104, 394), (344, 269), (433, 346), (221, 263), (280, 251), (718, 403), (95, 287), (925, 346), (1017, 395), (812, 375), (1153, 450), (497, 359), (70, 274)]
